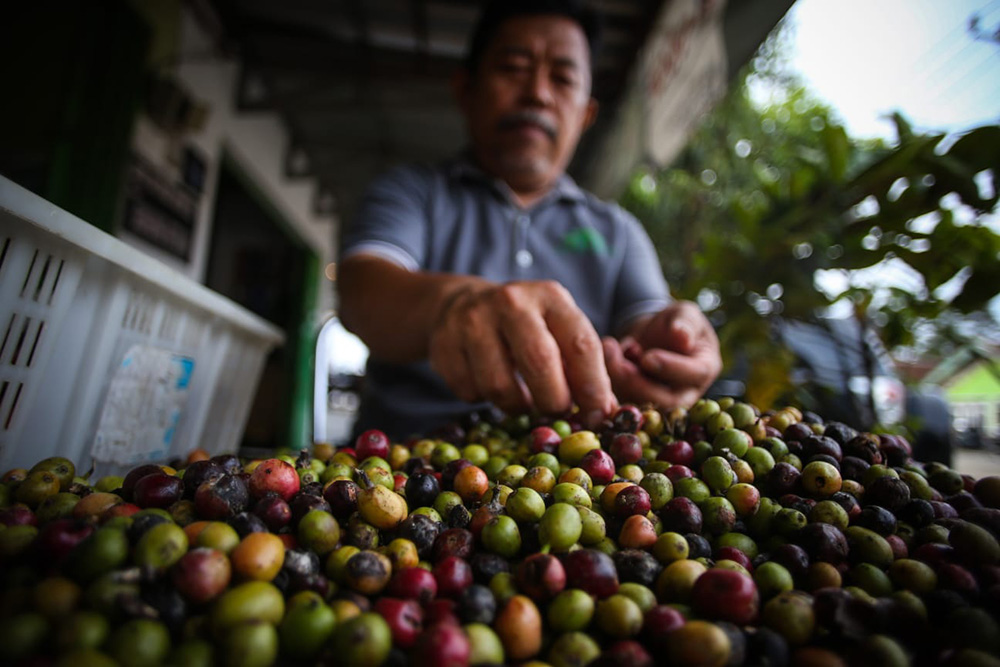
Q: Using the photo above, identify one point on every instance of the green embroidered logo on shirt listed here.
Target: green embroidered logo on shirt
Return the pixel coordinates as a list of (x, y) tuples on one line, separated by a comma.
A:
[(585, 239)]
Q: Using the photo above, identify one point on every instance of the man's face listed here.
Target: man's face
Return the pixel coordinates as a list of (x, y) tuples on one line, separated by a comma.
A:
[(529, 101)]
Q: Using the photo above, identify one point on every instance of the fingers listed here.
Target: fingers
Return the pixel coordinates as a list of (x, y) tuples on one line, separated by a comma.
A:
[(583, 357), (522, 346), (494, 372), (445, 353), (678, 369), (633, 385), (449, 361), (537, 358), (555, 349), (470, 355), (680, 348), (673, 362), (618, 361), (679, 327)]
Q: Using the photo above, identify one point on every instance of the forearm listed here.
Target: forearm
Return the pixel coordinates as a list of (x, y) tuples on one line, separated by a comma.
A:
[(394, 310)]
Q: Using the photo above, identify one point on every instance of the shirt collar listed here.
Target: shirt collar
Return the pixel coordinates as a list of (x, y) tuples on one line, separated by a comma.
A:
[(462, 167)]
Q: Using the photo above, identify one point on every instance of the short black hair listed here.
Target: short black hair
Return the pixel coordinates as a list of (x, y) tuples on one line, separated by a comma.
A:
[(497, 11)]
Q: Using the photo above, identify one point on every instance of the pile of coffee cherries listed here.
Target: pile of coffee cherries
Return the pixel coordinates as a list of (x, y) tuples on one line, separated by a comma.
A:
[(717, 535)]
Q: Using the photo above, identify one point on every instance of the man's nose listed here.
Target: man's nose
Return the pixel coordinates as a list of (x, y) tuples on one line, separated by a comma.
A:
[(538, 89)]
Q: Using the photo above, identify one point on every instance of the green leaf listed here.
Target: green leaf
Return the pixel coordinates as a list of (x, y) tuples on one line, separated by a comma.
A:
[(903, 129), (837, 150), (979, 148)]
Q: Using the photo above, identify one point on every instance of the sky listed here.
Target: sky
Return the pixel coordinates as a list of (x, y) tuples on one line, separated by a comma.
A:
[(869, 57)]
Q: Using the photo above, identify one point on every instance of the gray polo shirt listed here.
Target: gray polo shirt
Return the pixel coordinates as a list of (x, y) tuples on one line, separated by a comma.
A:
[(453, 218)]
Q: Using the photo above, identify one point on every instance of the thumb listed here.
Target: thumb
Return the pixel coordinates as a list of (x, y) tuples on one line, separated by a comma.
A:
[(680, 336)]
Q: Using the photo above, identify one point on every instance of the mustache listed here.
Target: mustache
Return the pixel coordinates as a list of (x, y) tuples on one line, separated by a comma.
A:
[(516, 118)]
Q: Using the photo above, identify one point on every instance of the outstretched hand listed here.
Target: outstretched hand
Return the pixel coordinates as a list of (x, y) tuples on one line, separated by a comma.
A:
[(670, 359), (522, 346)]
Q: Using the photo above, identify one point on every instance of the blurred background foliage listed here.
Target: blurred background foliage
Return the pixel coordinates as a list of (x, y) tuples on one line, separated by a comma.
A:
[(773, 211)]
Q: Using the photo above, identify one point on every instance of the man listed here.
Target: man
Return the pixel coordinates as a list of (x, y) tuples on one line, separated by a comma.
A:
[(493, 278)]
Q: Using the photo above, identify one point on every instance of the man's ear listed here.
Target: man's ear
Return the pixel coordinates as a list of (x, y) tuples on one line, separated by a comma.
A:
[(461, 83), (590, 115)]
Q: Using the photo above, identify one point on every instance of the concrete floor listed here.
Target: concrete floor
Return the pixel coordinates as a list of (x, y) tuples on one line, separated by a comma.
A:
[(977, 462)]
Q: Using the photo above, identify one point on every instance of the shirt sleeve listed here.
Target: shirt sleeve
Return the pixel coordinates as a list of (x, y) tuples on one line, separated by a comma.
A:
[(641, 288), (391, 220)]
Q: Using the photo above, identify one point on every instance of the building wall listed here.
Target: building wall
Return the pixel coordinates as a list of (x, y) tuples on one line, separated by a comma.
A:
[(974, 397), (256, 142)]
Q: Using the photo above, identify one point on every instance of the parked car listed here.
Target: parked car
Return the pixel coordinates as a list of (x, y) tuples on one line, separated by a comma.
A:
[(840, 379)]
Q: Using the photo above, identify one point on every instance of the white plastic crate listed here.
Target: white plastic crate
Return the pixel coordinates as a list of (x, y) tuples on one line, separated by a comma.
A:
[(110, 356)]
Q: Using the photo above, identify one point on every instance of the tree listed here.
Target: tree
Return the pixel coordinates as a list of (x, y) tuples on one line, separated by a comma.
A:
[(978, 31), (770, 202)]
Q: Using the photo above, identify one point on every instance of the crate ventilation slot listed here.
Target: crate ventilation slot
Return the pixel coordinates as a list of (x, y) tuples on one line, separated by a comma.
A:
[(3, 251), (20, 340), (10, 392), (169, 324), (138, 314), (42, 279)]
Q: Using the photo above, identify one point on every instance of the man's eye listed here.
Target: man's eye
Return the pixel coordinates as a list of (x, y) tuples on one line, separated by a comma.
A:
[(567, 80), (512, 66)]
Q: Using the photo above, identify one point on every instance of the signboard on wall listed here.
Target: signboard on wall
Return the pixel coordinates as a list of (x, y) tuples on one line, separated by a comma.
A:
[(680, 74), (685, 73), (159, 210)]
